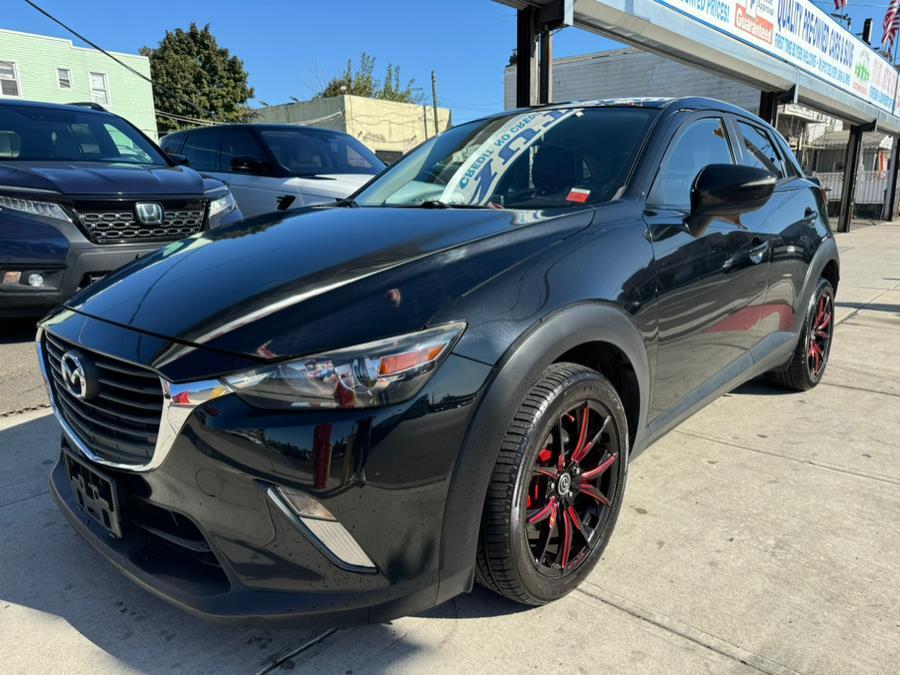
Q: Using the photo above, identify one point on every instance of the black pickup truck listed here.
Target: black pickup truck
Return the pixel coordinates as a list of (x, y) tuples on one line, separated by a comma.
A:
[(83, 192)]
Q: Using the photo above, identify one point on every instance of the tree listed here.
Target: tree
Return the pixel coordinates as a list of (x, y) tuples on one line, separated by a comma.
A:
[(363, 83), (193, 77)]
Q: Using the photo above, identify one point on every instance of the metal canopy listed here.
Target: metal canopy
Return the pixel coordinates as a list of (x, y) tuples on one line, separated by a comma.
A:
[(657, 27)]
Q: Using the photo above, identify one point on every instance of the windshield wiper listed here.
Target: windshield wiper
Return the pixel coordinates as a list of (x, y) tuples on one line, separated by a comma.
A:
[(434, 204), (346, 202)]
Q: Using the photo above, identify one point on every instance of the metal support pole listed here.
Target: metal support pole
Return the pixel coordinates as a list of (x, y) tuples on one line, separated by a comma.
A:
[(770, 100), (545, 94), (851, 165), (768, 106), (889, 212), (525, 57)]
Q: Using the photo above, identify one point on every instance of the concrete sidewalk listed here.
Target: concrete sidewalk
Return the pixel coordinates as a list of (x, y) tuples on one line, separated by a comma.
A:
[(761, 535)]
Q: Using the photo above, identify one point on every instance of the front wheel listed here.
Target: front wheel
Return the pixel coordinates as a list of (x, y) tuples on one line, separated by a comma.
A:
[(557, 487)]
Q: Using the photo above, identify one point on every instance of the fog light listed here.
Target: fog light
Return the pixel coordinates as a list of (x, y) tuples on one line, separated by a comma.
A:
[(35, 280), (320, 526), (11, 278)]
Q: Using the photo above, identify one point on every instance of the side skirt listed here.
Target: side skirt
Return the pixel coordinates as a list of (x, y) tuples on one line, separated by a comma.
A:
[(769, 354)]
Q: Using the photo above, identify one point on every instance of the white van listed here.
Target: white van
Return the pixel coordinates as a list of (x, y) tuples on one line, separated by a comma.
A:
[(271, 167)]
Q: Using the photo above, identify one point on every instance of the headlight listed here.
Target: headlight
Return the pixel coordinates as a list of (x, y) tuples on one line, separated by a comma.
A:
[(369, 375), (222, 205), (34, 208)]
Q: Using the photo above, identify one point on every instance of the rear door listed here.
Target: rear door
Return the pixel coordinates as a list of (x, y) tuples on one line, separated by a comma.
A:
[(788, 225), (710, 273)]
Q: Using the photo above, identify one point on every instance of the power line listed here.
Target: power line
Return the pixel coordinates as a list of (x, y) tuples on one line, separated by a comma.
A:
[(118, 60)]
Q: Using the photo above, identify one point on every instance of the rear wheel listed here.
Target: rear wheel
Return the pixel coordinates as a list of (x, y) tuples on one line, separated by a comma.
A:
[(807, 365), (557, 487)]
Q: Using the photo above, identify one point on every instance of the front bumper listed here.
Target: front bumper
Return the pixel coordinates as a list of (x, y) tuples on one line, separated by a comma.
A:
[(383, 473)]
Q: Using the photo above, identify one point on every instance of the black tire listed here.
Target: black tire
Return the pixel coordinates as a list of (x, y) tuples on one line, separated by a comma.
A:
[(507, 562), (805, 370)]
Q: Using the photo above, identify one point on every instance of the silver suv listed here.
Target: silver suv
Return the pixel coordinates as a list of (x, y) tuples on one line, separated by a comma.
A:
[(273, 167)]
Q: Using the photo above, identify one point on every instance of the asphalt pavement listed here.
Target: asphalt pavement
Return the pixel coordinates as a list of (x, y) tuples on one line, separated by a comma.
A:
[(761, 535)]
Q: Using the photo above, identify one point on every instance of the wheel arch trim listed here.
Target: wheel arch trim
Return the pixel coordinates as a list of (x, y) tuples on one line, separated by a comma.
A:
[(514, 374), (826, 254)]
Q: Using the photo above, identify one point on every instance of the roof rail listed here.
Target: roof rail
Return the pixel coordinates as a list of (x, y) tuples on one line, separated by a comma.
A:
[(89, 104)]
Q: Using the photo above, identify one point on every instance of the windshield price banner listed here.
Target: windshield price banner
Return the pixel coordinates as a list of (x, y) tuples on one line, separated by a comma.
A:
[(805, 36)]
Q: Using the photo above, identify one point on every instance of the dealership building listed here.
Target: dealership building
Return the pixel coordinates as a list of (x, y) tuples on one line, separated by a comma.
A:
[(789, 51)]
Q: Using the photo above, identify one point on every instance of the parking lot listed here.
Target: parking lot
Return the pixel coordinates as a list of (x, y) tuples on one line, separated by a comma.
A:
[(761, 535)]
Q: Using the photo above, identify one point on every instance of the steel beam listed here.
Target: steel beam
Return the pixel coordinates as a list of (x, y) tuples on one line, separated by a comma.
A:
[(770, 100), (851, 165), (526, 63), (545, 90), (889, 212)]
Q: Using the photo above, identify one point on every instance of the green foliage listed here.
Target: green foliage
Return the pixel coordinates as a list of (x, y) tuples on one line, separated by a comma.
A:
[(363, 83), (194, 77)]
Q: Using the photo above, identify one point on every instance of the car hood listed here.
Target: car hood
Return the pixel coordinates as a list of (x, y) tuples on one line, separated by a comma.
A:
[(317, 278), (333, 184), (101, 179)]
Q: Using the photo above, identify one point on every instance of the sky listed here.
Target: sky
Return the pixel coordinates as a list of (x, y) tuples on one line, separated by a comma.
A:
[(293, 47)]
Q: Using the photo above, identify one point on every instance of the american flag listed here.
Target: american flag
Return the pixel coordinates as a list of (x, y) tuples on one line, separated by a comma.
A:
[(839, 5), (890, 25)]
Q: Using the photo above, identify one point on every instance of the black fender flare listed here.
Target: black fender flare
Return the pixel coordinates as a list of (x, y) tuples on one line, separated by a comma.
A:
[(514, 375), (827, 252)]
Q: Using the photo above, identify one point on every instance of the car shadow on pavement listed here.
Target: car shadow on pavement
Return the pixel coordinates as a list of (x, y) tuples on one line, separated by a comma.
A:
[(18, 330), (46, 566)]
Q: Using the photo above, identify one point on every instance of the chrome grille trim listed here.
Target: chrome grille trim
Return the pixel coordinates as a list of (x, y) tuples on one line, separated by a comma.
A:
[(172, 418)]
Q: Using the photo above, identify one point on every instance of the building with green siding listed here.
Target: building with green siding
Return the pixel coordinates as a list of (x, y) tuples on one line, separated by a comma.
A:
[(53, 70)]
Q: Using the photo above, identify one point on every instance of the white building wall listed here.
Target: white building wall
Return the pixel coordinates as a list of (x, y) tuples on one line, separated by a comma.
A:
[(631, 72)]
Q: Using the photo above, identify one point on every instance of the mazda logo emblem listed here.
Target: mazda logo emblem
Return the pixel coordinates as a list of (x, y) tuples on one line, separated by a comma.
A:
[(149, 213), (77, 376)]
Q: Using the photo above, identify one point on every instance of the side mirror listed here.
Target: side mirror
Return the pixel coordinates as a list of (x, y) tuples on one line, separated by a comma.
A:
[(730, 189), (180, 160), (250, 165)]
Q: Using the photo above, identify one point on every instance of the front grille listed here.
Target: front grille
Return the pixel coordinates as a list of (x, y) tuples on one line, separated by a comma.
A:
[(120, 224), (121, 423)]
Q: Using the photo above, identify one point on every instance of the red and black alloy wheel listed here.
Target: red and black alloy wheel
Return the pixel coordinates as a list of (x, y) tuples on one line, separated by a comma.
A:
[(810, 357), (557, 487), (566, 500), (819, 335)]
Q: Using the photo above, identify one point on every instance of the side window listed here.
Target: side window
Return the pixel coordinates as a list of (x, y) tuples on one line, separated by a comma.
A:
[(702, 143), (239, 143), (171, 143), (759, 149), (200, 150)]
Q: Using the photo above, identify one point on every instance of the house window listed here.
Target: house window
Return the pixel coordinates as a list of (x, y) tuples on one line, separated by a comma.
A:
[(99, 88), (9, 79), (64, 78)]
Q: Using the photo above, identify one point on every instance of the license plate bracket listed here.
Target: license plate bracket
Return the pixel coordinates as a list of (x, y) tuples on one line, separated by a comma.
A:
[(95, 493)]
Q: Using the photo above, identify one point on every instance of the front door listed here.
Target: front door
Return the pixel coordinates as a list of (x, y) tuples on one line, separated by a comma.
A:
[(711, 275), (256, 190)]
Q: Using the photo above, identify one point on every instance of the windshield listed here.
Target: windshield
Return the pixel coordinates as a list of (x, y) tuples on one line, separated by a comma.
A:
[(305, 152), (36, 134), (534, 160)]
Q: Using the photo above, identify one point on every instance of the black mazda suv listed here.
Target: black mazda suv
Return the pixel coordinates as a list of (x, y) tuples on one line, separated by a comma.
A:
[(351, 412)]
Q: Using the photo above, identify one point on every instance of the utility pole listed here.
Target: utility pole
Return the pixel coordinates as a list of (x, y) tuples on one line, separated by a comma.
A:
[(437, 129)]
